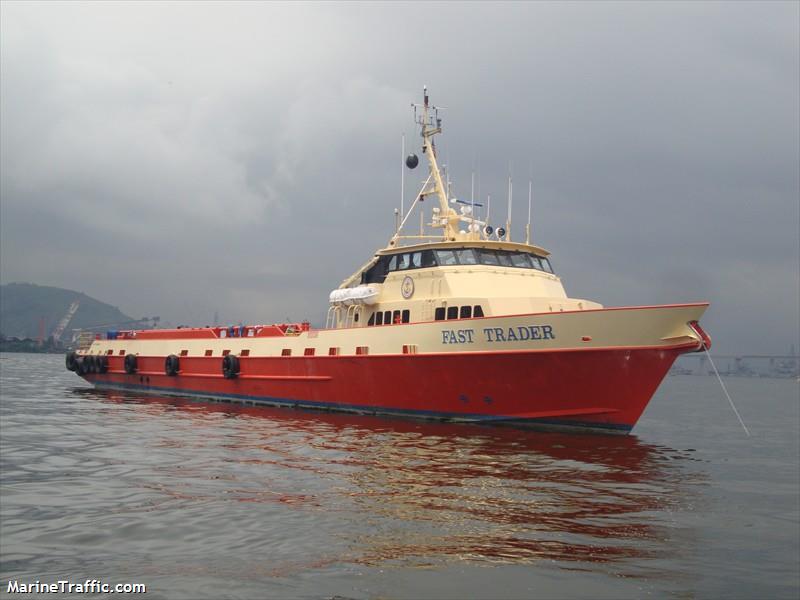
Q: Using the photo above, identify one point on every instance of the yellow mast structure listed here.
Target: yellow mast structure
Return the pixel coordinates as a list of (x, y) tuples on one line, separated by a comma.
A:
[(444, 217)]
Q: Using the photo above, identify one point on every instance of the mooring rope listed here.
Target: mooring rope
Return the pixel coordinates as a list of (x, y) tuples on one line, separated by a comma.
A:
[(724, 389)]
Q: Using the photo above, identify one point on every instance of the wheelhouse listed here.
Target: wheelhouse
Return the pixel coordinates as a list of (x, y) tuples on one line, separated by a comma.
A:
[(452, 257)]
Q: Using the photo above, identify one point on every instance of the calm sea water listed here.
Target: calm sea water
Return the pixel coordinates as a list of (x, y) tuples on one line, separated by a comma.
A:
[(206, 500)]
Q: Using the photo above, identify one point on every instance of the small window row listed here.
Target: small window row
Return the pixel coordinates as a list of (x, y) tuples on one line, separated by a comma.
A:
[(388, 317), (458, 312), (422, 259)]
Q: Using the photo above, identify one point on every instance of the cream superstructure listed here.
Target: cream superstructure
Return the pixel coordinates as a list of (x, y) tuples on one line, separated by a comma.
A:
[(463, 265)]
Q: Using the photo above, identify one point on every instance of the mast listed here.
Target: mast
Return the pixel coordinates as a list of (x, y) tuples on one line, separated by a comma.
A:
[(402, 176), (426, 115), (431, 125)]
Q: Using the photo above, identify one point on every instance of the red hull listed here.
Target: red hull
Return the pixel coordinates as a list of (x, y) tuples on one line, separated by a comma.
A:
[(603, 389)]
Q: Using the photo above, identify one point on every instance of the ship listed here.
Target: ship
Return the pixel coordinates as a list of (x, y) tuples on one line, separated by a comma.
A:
[(454, 322)]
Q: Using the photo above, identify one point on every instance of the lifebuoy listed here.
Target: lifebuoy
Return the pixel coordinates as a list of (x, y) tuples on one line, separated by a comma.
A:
[(230, 366), (130, 364), (172, 364)]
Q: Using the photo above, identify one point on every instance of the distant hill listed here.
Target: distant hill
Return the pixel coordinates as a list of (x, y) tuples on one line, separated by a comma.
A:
[(22, 305)]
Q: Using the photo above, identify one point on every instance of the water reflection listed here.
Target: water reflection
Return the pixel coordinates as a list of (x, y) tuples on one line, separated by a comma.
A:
[(418, 493)]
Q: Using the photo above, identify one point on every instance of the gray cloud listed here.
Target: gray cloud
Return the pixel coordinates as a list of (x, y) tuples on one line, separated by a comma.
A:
[(176, 159)]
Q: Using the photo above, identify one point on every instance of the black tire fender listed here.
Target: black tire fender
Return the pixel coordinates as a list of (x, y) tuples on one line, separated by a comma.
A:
[(172, 364), (130, 364), (230, 366)]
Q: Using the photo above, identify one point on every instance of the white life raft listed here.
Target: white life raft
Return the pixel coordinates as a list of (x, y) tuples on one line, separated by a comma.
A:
[(362, 294)]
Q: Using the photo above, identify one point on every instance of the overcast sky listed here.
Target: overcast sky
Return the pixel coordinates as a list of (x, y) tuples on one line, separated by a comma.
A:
[(181, 159)]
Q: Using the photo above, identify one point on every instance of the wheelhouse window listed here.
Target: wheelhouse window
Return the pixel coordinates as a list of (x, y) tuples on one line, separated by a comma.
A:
[(446, 258), (504, 259), (467, 256), (520, 260), (488, 257), (428, 260)]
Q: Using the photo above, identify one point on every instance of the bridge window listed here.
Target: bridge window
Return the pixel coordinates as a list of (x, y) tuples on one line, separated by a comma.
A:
[(439, 313), (428, 260), (519, 259), (504, 258), (387, 317), (488, 257), (546, 264), (467, 256), (446, 258), (404, 262), (379, 318), (371, 321), (416, 260)]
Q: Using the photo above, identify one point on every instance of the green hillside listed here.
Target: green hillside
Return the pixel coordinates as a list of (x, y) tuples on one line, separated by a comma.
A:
[(22, 305)]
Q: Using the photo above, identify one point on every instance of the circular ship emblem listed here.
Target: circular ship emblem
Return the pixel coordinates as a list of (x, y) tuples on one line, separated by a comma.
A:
[(407, 288)]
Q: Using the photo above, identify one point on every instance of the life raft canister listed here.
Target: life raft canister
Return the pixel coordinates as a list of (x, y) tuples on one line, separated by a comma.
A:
[(130, 364), (172, 364), (230, 366)]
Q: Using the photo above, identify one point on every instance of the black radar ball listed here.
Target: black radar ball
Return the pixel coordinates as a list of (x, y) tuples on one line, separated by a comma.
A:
[(412, 161)]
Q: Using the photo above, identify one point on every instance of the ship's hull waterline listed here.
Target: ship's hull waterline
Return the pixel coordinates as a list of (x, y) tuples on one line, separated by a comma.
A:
[(595, 369)]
